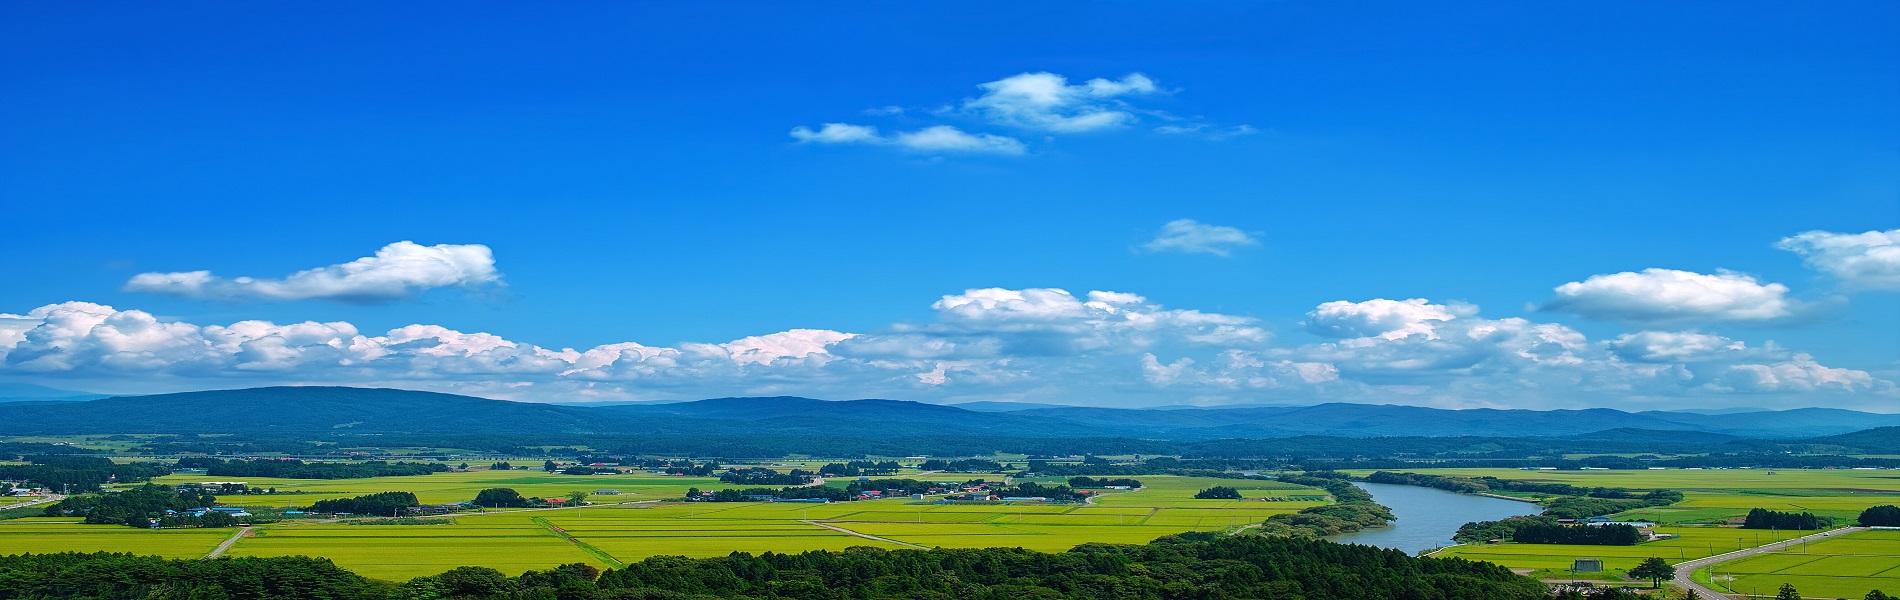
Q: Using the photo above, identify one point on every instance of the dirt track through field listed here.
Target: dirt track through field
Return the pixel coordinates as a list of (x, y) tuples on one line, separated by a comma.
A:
[(242, 532), (863, 535)]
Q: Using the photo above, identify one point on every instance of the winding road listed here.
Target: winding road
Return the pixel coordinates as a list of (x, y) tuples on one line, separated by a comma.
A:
[(1685, 571)]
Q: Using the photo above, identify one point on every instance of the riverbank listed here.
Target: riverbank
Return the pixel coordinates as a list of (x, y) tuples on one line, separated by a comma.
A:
[(1426, 517)]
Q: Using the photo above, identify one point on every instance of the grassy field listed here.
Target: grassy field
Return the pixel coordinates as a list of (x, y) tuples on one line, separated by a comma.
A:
[(443, 488), (638, 527), (1845, 567), (60, 535)]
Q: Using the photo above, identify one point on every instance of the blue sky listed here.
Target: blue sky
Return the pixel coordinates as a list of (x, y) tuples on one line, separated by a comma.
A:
[(664, 175)]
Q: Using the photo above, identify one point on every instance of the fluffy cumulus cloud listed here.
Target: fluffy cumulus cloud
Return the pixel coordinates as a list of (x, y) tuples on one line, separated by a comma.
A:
[(1046, 102), (1194, 237), (1381, 318), (1045, 344), (1041, 103), (397, 271), (1869, 260), (1661, 295)]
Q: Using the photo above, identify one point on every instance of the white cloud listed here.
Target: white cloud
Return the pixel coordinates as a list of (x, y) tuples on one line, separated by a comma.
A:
[(938, 139), (944, 138), (794, 344), (1379, 317), (397, 271), (1033, 344), (1206, 131), (838, 133), (1672, 346), (1190, 236), (1798, 374), (1868, 260), (1054, 320), (1046, 102), (1041, 103), (1655, 295)]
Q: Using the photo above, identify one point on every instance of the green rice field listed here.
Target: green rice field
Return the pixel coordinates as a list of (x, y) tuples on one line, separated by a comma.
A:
[(636, 525), (1846, 567)]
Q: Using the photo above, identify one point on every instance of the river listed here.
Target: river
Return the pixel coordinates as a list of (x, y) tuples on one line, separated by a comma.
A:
[(1427, 516)]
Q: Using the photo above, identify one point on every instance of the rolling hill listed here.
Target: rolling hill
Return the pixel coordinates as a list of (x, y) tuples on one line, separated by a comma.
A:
[(368, 410)]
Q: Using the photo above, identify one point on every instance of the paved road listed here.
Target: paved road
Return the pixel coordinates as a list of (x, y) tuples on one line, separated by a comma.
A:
[(1685, 571), (43, 500)]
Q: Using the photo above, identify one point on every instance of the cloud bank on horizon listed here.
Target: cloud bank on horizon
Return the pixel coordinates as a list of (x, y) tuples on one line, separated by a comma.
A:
[(1033, 344)]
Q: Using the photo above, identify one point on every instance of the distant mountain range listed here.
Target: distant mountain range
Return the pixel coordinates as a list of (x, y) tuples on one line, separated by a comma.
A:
[(26, 392), (308, 410)]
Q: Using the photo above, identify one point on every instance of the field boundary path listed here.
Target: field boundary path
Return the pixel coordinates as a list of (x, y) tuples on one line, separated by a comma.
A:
[(863, 535), (1685, 570), (242, 532), (584, 546)]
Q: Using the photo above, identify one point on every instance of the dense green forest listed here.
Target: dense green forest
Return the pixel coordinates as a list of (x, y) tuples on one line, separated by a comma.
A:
[(1188, 566), (138, 507), (1352, 509), (1885, 515), (79, 473)]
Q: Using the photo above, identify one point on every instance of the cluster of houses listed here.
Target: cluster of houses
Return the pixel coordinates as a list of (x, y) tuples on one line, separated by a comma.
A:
[(21, 488), (202, 511)]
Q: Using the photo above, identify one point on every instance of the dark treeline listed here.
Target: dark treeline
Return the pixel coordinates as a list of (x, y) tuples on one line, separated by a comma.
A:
[(108, 576), (297, 469), (1185, 566), (764, 476), (968, 465), (1572, 502), (849, 492), (1886, 515), (1102, 482), (391, 504), (20, 449), (138, 507), (79, 473), (1589, 535), (1762, 518), (1030, 489), (1483, 531), (859, 468), (1546, 530)]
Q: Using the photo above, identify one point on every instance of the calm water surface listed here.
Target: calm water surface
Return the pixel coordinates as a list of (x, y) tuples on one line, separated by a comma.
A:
[(1428, 517)]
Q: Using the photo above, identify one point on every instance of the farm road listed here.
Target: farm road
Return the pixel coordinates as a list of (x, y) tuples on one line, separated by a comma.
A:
[(863, 535), (228, 542), (1685, 571)]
